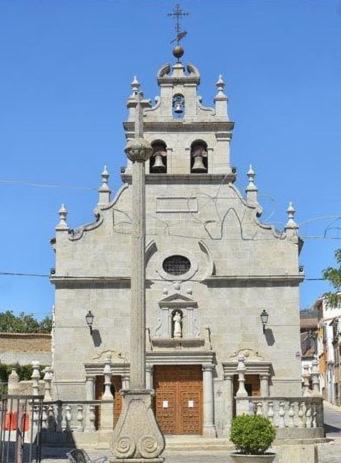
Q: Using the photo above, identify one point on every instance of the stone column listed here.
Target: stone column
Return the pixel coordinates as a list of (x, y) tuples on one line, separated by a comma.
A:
[(228, 408), (241, 395), (107, 409), (90, 387), (264, 385), (209, 428), (125, 382), (149, 376), (136, 435)]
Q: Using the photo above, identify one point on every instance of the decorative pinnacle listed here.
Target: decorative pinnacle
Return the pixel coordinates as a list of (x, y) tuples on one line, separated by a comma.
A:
[(251, 175), (135, 85), (220, 84), (62, 225), (291, 224), (105, 178)]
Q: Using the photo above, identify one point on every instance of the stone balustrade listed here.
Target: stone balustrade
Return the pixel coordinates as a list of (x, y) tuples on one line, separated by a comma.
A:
[(73, 415), (293, 417)]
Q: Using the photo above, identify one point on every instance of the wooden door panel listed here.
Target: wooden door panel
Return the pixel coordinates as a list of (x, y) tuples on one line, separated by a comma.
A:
[(177, 389)]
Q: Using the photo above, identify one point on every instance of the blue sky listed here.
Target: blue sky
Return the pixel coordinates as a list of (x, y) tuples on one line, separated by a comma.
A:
[(66, 68)]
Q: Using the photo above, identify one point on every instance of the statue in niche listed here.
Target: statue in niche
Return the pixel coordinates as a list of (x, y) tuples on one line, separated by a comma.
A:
[(177, 325)]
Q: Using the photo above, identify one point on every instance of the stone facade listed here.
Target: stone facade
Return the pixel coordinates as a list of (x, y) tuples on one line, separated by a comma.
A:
[(231, 266)]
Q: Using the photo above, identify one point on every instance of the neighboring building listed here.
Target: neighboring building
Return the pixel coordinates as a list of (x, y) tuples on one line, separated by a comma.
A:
[(23, 348), (211, 266), (309, 333), (329, 350)]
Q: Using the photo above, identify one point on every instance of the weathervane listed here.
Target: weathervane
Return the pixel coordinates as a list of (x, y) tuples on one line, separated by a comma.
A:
[(177, 14)]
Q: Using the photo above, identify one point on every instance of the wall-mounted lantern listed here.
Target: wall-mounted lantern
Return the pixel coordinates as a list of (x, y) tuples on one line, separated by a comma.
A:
[(89, 317), (264, 316)]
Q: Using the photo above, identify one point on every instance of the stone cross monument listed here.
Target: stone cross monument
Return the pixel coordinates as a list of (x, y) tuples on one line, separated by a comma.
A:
[(137, 437)]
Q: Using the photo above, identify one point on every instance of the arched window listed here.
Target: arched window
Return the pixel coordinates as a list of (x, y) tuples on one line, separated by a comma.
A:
[(199, 157), (158, 160), (178, 106)]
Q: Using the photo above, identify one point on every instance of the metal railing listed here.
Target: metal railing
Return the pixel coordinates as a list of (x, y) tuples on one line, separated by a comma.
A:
[(20, 428)]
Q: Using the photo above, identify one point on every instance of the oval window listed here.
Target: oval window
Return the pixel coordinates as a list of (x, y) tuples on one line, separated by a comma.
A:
[(176, 265)]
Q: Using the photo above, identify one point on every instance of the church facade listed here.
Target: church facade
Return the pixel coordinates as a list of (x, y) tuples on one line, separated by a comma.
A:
[(212, 268)]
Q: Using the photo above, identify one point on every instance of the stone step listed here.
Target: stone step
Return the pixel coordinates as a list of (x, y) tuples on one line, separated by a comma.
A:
[(192, 443)]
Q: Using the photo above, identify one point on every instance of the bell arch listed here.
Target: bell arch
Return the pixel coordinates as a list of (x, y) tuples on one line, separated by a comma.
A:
[(158, 160), (199, 157)]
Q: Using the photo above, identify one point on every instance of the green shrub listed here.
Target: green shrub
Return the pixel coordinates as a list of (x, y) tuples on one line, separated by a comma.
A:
[(252, 435)]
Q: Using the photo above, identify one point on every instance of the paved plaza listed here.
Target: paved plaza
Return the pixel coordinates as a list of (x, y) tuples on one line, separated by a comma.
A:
[(325, 453)]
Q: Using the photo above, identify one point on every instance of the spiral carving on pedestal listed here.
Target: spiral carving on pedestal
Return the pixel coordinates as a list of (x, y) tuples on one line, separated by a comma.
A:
[(148, 447), (124, 447)]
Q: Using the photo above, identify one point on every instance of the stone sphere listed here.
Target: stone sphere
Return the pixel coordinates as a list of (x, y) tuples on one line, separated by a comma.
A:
[(138, 149), (178, 51)]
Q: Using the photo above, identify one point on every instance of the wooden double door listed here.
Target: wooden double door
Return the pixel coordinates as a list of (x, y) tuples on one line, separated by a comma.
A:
[(179, 398)]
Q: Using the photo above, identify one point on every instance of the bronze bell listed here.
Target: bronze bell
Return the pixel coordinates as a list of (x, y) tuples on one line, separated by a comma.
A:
[(178, 108), (158, 165), (198, 165)]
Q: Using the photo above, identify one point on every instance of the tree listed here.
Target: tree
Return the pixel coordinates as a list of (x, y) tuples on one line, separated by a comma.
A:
[(23, 323), (333, 275)]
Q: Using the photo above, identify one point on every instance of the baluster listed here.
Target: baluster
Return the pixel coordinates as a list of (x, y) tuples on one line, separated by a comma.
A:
[(300, 415), (90, 419), (51, 420), (308, 418), (291, 414), (59, 416), (271, 411), (281, 413), (314, 423), (35, 416), (44, 417), (80, 417), (68, 418), (259, 409)]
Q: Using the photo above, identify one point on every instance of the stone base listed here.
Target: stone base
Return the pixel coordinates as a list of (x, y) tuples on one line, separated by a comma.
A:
[(137, 437), (209, 431), (137, 460)]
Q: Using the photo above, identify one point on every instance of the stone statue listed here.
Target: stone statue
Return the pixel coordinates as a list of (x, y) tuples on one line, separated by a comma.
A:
[(177, 331)]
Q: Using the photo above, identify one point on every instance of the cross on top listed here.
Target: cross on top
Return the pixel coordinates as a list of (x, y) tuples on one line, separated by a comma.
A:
[(177, 14)]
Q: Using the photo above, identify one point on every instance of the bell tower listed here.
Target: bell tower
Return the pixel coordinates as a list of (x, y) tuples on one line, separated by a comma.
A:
[(188, 138)]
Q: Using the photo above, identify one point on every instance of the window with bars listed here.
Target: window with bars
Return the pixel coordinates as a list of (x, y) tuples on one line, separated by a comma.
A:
[(176, 265)]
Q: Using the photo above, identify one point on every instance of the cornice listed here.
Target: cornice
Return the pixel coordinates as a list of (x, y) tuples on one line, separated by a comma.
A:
[(215, 179)]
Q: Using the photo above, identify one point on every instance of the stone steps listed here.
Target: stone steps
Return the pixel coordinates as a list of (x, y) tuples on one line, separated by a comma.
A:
[(196, 443)]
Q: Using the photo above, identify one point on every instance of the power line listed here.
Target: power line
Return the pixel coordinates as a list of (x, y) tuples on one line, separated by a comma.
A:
[(105, 278)]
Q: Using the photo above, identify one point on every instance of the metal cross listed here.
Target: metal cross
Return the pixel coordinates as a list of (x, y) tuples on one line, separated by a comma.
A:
[(177, 13)]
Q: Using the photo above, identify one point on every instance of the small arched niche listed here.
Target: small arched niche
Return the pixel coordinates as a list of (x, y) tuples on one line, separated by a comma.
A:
[(178, 106), (158, 160), (199, 157)]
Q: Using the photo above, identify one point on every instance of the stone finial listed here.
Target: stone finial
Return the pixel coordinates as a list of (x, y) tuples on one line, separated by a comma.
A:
[(315, 378), (135, 85), (251, 189), (107, 395), (220, 99), (220, 86), (35, 377), (13, 381), (62, 225), (306, 378), (48, 374), (291, 224), (104, 190)]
